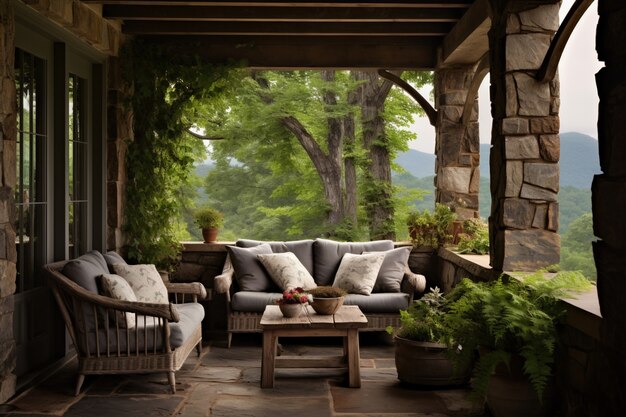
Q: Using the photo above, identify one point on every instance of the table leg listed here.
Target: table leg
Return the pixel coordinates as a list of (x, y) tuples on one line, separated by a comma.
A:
[(268, 360), (354, 369)]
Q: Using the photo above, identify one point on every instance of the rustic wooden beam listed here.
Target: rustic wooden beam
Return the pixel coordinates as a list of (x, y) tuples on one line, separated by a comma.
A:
[(467, 41), (295, 3), (138, 27), (316, 52), (282, 14), (431, 113), (482, 69), (550, 63)]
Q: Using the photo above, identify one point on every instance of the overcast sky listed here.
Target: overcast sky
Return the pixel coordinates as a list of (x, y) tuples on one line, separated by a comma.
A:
[(579, 98)]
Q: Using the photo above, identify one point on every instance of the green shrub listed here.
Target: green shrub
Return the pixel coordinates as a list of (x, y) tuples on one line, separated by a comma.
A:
[(428, 228), (475, 237), (424, 320), (208, 218)]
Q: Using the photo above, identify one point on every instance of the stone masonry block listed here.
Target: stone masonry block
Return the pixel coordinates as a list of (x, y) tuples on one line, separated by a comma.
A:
[(515, 126), (540, 19), (517, 213), (541, 214), (533, 96), (553, 217), (512, 24), (555, 106), (526, 51), (550, 124), (529, 250), (532, 192), (511, 96), (514, 178), (474, 187), (453, 98), (521, 147), (87, 23), (9, 164), (550, 147), (608, 199), (456, 179), (544, 175), (7, 278), (7, 387)]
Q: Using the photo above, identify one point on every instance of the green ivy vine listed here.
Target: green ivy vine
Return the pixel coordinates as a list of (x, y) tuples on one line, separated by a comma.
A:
[(166, 91)]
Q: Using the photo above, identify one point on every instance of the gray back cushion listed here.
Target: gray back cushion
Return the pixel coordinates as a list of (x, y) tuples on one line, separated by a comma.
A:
[(392, 270), (249, 272), (303, 249), (113, 258), (327, 256), (86, 269)]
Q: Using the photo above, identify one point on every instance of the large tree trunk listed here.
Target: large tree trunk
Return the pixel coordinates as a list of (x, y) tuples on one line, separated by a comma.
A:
[(378, 192), (349, 162)]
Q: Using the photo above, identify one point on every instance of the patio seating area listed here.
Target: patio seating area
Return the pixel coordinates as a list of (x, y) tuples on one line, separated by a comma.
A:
[(226, 382)]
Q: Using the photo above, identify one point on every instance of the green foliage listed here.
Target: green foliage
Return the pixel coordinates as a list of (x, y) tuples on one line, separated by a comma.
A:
[(508, 318), (428, 228), (424, 320), (161, 155), (325, 291), (576, 250), (475, 237), (208, 218)]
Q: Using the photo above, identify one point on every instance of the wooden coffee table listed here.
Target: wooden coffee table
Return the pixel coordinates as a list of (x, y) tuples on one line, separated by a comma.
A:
[(344, 323)]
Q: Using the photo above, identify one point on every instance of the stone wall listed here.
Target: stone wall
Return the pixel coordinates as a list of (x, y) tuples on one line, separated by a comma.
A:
[(119, 132), (602, 391), (452, 268), (8, 255), (457, 146), (201, 262), (525, 138)]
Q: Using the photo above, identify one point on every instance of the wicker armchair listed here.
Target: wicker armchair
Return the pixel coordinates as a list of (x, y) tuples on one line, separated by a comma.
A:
[(106, 346)]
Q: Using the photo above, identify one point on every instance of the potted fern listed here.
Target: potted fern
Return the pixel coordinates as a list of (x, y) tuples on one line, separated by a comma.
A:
[(514, 326), (422, 352), (209, 220)]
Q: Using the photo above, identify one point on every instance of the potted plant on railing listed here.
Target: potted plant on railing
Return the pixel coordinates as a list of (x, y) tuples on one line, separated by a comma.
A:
[(514, 326), (327, 300), (422, 340), (209, 220), (474, 238)]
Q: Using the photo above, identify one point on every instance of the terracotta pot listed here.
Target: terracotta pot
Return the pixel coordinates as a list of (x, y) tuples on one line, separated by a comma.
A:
[(291, 310), (209, 235), (327, 306), (427, 363)]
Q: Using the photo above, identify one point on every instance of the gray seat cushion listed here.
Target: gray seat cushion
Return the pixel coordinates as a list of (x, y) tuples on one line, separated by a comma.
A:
[(379, 303), (191, 315), (303, 249), (327, 255), (252, 301)]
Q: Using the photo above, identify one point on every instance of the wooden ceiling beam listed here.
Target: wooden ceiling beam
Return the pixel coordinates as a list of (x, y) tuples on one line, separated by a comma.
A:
[(281, 14), (467, 42), (311, 53), (138, 27), (297, 3)]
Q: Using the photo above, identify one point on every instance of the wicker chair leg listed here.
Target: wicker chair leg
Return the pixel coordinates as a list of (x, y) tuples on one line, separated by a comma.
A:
[(171, 378), (79, 383), (199, 348)]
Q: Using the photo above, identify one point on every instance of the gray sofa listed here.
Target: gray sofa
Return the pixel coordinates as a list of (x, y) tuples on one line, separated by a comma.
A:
[(321, 258)]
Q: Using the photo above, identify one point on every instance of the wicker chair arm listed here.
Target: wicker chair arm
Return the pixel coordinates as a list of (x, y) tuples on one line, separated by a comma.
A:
[(165, 311), (412, 282), (191, 288)]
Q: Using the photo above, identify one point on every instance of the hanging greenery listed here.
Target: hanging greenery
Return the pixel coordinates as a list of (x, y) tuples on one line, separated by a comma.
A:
[(166, 90)]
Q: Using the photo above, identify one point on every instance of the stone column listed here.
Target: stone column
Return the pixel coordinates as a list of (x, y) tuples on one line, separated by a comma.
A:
[(608, 367), (457, 146), (525, 141), (119, 132), (8, 255)]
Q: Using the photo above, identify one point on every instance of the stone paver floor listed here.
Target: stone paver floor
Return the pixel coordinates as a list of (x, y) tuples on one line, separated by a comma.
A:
[(225, 382)]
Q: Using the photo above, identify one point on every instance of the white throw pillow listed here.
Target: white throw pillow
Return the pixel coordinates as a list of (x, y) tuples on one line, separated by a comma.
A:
[(118, 288), (357, 273), (287, 271), (145, 281)]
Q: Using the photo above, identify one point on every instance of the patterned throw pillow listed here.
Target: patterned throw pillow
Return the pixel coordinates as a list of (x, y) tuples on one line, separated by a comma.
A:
[(145, 282), (357, 273), (118, 288), (287, 271)]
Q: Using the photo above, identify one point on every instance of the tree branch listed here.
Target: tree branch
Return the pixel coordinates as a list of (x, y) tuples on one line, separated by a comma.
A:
[(202, 137)]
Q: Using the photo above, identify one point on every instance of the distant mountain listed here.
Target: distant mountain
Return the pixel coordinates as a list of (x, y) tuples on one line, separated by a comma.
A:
[(579, 160)]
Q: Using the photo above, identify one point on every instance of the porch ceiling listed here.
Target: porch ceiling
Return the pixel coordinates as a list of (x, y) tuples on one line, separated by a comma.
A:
[(311, 34)]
